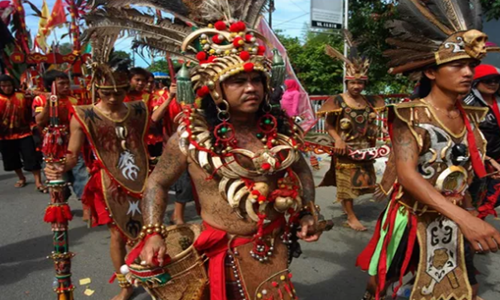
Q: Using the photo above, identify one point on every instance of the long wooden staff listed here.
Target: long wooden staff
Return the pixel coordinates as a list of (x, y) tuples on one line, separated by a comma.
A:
[(58, 213)]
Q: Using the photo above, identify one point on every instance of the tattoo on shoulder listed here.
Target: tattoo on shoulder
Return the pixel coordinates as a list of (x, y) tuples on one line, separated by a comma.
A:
[(404, 143)]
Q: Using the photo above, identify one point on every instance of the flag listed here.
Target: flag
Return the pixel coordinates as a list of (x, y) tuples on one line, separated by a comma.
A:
[(57, 17), (41, 37)]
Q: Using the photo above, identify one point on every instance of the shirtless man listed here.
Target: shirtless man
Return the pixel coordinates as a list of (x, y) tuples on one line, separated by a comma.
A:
[(277, 184)]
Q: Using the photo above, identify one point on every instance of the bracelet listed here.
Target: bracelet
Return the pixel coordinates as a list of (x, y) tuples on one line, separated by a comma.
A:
[(310, 209), (153, 229), (304, 213), (470, 208)]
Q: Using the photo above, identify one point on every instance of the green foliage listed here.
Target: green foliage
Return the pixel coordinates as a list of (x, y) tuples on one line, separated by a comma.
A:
[(321, 75), (318, 73), (367, 24), (159, 66), (162, 66), (122, 54), (491, 9)]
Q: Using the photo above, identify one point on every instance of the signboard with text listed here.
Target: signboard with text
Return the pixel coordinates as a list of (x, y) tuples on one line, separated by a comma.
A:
[(327, 14)]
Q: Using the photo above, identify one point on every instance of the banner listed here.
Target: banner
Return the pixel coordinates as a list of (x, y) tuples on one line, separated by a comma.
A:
[(41, 37), (305, 107), (327, 14)]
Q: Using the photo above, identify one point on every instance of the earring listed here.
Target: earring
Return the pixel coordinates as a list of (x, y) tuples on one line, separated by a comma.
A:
[(225, 138)]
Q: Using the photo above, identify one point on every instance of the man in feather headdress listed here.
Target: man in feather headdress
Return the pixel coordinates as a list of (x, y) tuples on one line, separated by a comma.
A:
[(119, 167), (438, 150), (350, 121), (243, 156)]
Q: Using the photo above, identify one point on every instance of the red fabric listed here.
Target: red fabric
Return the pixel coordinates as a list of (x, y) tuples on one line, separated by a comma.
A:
[(14, 117), (382, 266), (496, 111), (214, 243), (488, 206), (174, 108), (93, 197), (65, 110), (58, 15), (477, 162), (364, 259), (144, 96), (485, 70)]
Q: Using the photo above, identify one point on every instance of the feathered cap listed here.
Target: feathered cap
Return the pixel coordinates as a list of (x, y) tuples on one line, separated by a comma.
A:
[(435, 32), (356, 67), (215, 34), (111, 75)]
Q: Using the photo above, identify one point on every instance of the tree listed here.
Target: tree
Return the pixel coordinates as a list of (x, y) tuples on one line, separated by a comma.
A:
[(321, 75), (318, 73), (121, 54), (491, 9)]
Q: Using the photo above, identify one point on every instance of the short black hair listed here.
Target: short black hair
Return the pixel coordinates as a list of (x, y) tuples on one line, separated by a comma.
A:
[(138, 71), (150, 75), (50, 76), (5, 77)]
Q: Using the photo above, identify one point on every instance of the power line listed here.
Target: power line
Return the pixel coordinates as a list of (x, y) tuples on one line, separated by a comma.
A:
[(299, 6), (293, 19)]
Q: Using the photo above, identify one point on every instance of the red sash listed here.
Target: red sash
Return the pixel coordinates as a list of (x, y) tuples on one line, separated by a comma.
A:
[(214, 243), (496, 111), (477, 162)]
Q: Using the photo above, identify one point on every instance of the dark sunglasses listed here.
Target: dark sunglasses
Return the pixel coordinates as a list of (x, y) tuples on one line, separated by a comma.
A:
[(491, 81)]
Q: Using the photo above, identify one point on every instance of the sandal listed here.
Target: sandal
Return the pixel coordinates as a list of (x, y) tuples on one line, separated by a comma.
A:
[(42, 189), (20, 183)]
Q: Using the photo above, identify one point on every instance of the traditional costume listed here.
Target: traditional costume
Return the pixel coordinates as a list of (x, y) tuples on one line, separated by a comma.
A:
[(410, 235), (119, 166), (358, 129), (223, 44), (17, 145)]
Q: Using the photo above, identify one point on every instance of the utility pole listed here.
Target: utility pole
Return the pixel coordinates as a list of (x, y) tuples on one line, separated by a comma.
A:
[(271, 10)]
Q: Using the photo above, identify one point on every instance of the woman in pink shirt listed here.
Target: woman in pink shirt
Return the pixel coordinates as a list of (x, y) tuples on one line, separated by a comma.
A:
[(291, 97)]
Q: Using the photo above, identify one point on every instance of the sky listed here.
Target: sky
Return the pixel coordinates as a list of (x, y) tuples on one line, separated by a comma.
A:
[(290, 16)]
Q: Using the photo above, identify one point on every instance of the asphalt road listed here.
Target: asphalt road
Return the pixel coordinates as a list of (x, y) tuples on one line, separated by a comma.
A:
[(325, 270)]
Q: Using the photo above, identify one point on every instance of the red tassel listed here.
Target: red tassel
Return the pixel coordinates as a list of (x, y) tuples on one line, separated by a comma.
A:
[(49, 215), (58, 214), (112, 279), (67, 213), (488, 207)]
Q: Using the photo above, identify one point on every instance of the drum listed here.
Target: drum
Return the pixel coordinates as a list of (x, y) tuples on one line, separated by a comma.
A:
[(184, 277)]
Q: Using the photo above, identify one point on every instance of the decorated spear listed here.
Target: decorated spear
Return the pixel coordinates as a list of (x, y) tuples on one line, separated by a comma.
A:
[(58, 213)]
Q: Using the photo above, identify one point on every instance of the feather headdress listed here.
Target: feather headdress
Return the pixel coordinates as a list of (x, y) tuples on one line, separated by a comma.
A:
[(356, 67), (434, 32), (217, 34)]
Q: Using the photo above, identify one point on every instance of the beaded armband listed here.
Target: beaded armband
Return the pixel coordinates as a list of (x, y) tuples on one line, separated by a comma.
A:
[(153, 229), (122, 281)]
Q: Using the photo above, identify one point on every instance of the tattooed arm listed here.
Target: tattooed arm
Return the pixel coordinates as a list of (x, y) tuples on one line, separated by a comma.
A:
[(481, 235), (309, 231), (170, 167)]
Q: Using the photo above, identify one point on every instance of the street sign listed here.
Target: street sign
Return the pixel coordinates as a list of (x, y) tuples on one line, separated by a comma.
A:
[(327, 14)]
